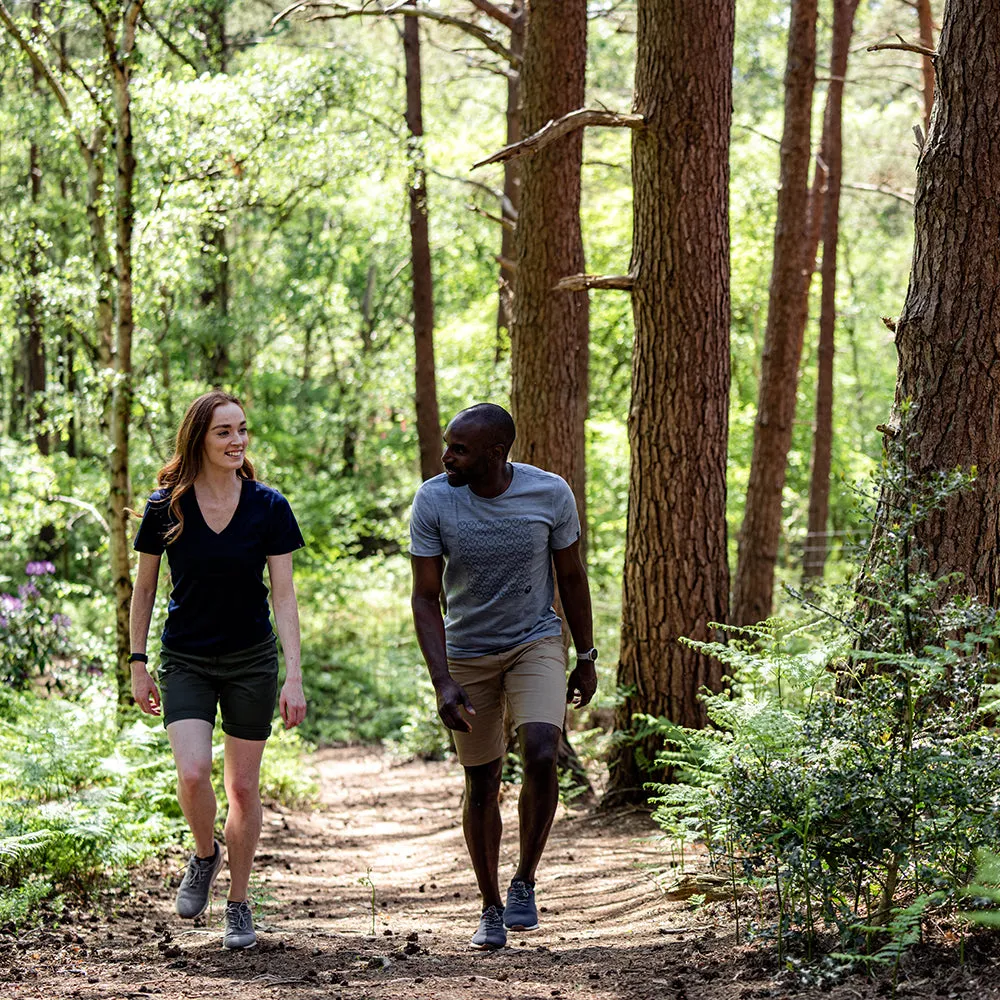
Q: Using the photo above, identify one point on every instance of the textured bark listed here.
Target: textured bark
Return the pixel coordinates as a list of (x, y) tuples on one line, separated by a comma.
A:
[(421, 278), (948, 336), (758, 547), (119, 52), (676, 574), (927, 64), (511, 206), (549, 335), (819, 486)]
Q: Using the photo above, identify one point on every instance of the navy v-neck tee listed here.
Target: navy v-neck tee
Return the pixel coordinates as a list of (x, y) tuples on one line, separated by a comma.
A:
[(218, 603)]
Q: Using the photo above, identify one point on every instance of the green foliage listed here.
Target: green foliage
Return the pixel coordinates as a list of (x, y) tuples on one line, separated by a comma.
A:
[(83, 801), (852, 768)]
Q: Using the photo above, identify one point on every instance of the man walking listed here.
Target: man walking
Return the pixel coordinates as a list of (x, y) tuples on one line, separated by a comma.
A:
[(489, 532)]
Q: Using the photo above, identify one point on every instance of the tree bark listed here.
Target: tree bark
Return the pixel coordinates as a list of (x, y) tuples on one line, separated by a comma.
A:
[(34, 387), (676, 573), (421, 276), (927, 64), (814, 559), (759, 537), (511, 206), (550, 330), (119, 52), (948, 335)]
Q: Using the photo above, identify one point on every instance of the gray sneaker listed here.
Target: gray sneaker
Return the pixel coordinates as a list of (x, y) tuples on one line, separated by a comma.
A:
[(520, 913), (491, 933), (239, 931), (196, 886)]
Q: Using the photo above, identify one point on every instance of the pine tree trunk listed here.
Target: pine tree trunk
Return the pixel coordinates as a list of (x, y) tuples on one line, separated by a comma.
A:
[(814, 559), (510, 209), (422, 279), (761, 531), (948, 336), (549, 336), (927, 64), (676, 573)]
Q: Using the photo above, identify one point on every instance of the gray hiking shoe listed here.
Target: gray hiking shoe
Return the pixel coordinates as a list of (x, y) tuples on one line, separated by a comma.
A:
[(491, 933), (196, 886), (239, 931), (520, 913)]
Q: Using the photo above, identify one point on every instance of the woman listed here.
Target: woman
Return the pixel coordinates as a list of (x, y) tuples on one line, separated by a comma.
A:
[(218, 526)]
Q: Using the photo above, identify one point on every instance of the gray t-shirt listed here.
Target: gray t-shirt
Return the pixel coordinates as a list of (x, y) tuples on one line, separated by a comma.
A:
[(497, 557)]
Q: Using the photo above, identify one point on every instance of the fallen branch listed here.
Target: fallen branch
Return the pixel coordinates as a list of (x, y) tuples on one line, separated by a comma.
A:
[(581, 282), (555, 129)]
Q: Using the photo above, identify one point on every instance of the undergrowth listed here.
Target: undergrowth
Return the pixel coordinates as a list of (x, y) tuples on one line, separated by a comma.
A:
[(851, 771)]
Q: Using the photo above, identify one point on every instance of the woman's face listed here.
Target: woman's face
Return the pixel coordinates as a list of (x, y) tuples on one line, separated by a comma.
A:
[(226, 440)]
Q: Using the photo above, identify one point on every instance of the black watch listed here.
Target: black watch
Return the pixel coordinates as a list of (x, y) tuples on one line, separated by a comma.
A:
[(588, 654), (140, 657)]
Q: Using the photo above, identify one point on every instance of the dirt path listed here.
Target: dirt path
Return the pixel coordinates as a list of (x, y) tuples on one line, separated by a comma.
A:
[(606, 931)]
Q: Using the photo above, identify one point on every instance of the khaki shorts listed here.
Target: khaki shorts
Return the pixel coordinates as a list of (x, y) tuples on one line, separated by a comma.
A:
[(533, 678)]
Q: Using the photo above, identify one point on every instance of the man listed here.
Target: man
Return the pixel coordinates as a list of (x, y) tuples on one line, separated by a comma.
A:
[(489, 532)]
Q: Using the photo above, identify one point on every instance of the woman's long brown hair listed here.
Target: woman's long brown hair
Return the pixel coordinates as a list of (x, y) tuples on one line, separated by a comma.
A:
[(179, 474)]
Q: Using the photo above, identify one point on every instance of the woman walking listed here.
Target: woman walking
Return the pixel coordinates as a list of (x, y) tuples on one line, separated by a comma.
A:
[(218, 526)]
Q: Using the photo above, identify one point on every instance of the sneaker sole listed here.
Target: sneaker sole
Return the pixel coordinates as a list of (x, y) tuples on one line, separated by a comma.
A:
[(487, 947), (239, 947), (521, 927)]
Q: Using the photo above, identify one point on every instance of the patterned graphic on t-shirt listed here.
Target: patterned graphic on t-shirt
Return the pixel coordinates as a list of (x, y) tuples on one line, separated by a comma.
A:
[(497, 556)]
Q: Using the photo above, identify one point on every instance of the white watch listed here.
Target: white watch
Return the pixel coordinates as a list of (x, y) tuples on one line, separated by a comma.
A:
[(587, 654)]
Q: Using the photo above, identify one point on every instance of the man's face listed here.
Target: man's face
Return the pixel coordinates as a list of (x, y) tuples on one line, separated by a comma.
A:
[(467, 452)]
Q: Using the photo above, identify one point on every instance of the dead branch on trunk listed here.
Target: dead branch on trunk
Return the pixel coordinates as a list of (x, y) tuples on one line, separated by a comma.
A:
[(555, 129), (581, 282), (904, 46)]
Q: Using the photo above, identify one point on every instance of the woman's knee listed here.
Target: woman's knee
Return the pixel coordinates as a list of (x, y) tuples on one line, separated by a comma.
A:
[(194, 775)]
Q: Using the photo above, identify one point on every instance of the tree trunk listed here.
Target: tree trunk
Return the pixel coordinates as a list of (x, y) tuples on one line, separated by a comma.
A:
[(760, 534), (927, 64), (119, 54), (511, 205), (422, 279), (948, 336), (549, 335), (676, 574), (814, 559), (34, 387)]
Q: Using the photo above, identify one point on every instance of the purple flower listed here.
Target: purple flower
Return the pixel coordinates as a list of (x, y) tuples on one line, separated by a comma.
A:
[(8, 602), (3, 621), (28, 591), (61, 621), (42, 568)]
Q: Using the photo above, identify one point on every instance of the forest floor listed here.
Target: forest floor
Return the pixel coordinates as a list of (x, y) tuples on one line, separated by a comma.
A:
[(606, 930)]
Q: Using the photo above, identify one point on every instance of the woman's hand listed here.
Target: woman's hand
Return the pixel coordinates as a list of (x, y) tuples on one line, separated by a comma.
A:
[(292, 703), (144, 690)]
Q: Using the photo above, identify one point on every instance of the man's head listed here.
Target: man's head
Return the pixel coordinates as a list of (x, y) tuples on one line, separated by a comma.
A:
[(478, 440)]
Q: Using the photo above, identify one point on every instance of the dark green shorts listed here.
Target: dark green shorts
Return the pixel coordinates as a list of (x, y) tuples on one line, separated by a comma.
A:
[(243, 684)]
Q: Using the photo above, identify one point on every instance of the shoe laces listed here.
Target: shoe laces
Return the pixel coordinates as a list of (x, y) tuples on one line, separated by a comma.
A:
[(520, 891), (492, 917), (238, 916), (199, 869)]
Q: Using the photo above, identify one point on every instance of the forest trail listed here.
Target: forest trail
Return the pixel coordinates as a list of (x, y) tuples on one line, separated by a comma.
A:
[(606, 931)]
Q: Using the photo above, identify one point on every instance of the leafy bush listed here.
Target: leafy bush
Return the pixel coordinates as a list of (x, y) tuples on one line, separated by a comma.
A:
[(853, 769)]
